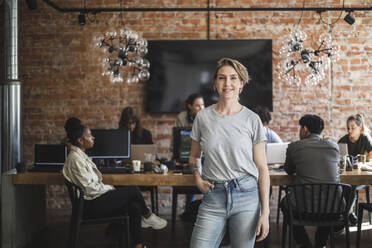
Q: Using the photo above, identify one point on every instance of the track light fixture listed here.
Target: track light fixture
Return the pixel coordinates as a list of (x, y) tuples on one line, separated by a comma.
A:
[(349, 18), (81, 19)]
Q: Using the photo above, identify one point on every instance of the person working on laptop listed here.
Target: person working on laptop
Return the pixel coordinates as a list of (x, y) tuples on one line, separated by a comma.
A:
[(358, 141), (102, 200), (265, 116), (129, 120), (193, 104), (314, 160), (235, 180)]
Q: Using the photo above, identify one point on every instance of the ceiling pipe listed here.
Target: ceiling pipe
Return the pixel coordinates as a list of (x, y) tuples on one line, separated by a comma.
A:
[(206, 9)]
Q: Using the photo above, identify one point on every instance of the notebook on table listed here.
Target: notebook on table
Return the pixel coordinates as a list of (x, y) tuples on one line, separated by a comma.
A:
[(138, 152), (276, 153), (49, 157)]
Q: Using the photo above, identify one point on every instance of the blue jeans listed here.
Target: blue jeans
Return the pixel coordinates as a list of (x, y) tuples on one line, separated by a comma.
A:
[(234, 203)]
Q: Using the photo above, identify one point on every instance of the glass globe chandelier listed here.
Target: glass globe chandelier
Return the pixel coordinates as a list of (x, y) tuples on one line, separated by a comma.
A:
[(124, 49), (306, 65)]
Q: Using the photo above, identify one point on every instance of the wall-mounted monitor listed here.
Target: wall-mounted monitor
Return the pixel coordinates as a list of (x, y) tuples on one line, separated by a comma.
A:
[(182, 67), (110, 143)]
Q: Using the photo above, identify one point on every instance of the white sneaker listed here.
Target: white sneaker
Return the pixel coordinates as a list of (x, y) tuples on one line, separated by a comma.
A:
[(154, 221)]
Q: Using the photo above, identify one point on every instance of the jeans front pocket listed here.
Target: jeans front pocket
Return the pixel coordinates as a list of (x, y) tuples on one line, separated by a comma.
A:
[(247, 183)]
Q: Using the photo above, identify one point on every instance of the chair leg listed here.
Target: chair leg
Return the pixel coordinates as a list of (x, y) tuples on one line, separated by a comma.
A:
[(128, 232), (71, 233), (368, 201), (331, 237), (347, 234), (122, 236), (156, 200), (360, 217), (278, 208), (290, 236), (174, 208), (75, 237), (284, 234), (152, 200)]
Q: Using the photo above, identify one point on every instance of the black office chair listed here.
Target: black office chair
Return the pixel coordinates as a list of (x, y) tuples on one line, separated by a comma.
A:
[(361, 207), (77, 218), (317, 205), (177, 190)]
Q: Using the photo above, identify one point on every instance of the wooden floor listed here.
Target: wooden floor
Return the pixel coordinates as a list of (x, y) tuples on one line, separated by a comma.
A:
[(55, 234)]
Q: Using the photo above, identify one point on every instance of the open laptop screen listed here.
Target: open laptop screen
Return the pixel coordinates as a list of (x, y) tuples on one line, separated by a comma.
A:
[(276, 153), (343, 149), (138, 151)]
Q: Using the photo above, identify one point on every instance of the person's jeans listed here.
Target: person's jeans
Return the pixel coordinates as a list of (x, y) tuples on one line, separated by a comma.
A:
[(235, 202)]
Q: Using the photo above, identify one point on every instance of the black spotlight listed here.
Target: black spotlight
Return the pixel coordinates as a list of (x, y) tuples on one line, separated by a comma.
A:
[(349, 18), (81, 19)]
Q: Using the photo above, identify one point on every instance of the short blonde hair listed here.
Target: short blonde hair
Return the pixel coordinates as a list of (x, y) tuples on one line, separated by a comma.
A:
[(238, 67)]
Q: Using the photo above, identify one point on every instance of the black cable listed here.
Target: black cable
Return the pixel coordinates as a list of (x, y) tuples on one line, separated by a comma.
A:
[(338, 18), (302, 12), (121, 13)]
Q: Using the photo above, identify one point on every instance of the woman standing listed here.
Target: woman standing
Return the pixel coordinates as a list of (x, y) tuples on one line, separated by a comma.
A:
[(102, 200), (194, 103), (358, 139), (235, 178)]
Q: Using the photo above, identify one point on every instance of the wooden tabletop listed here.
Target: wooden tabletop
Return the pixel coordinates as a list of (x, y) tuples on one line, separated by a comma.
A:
[(355, 177)]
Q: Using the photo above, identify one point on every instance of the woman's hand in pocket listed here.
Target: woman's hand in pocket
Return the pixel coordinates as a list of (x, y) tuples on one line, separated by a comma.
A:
[(203, 185)]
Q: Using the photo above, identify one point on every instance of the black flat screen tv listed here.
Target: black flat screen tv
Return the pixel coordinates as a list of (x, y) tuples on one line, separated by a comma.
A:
[(182, 67)]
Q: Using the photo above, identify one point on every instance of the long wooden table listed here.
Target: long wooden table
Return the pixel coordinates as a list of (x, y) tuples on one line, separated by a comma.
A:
[(355, 177)]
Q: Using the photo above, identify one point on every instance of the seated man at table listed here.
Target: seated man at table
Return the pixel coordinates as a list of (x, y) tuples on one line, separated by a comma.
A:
[(314, 160)]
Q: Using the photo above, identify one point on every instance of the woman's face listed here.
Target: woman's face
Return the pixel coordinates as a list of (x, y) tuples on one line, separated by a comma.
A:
[(197, 105), (354, 130), (228, 83), (132, 125), (87, 140)]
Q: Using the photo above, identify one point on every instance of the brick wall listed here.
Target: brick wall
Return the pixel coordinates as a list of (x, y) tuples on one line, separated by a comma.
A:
[(61, 72)]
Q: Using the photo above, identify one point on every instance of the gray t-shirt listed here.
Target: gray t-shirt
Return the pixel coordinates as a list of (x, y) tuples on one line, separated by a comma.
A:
[(227, 142)]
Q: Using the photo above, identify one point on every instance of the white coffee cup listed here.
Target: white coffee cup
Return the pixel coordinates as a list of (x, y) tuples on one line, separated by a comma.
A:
[(136, 165), (164, 169)]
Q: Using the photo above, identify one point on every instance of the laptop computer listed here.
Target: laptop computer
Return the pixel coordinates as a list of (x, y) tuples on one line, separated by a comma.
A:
[(49, 157), (276, 152), (138, 152), (343, 149)]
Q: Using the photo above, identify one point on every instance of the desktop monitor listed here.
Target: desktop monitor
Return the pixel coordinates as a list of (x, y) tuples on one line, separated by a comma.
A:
[(181, 144), (110, 143), (50, 154)]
